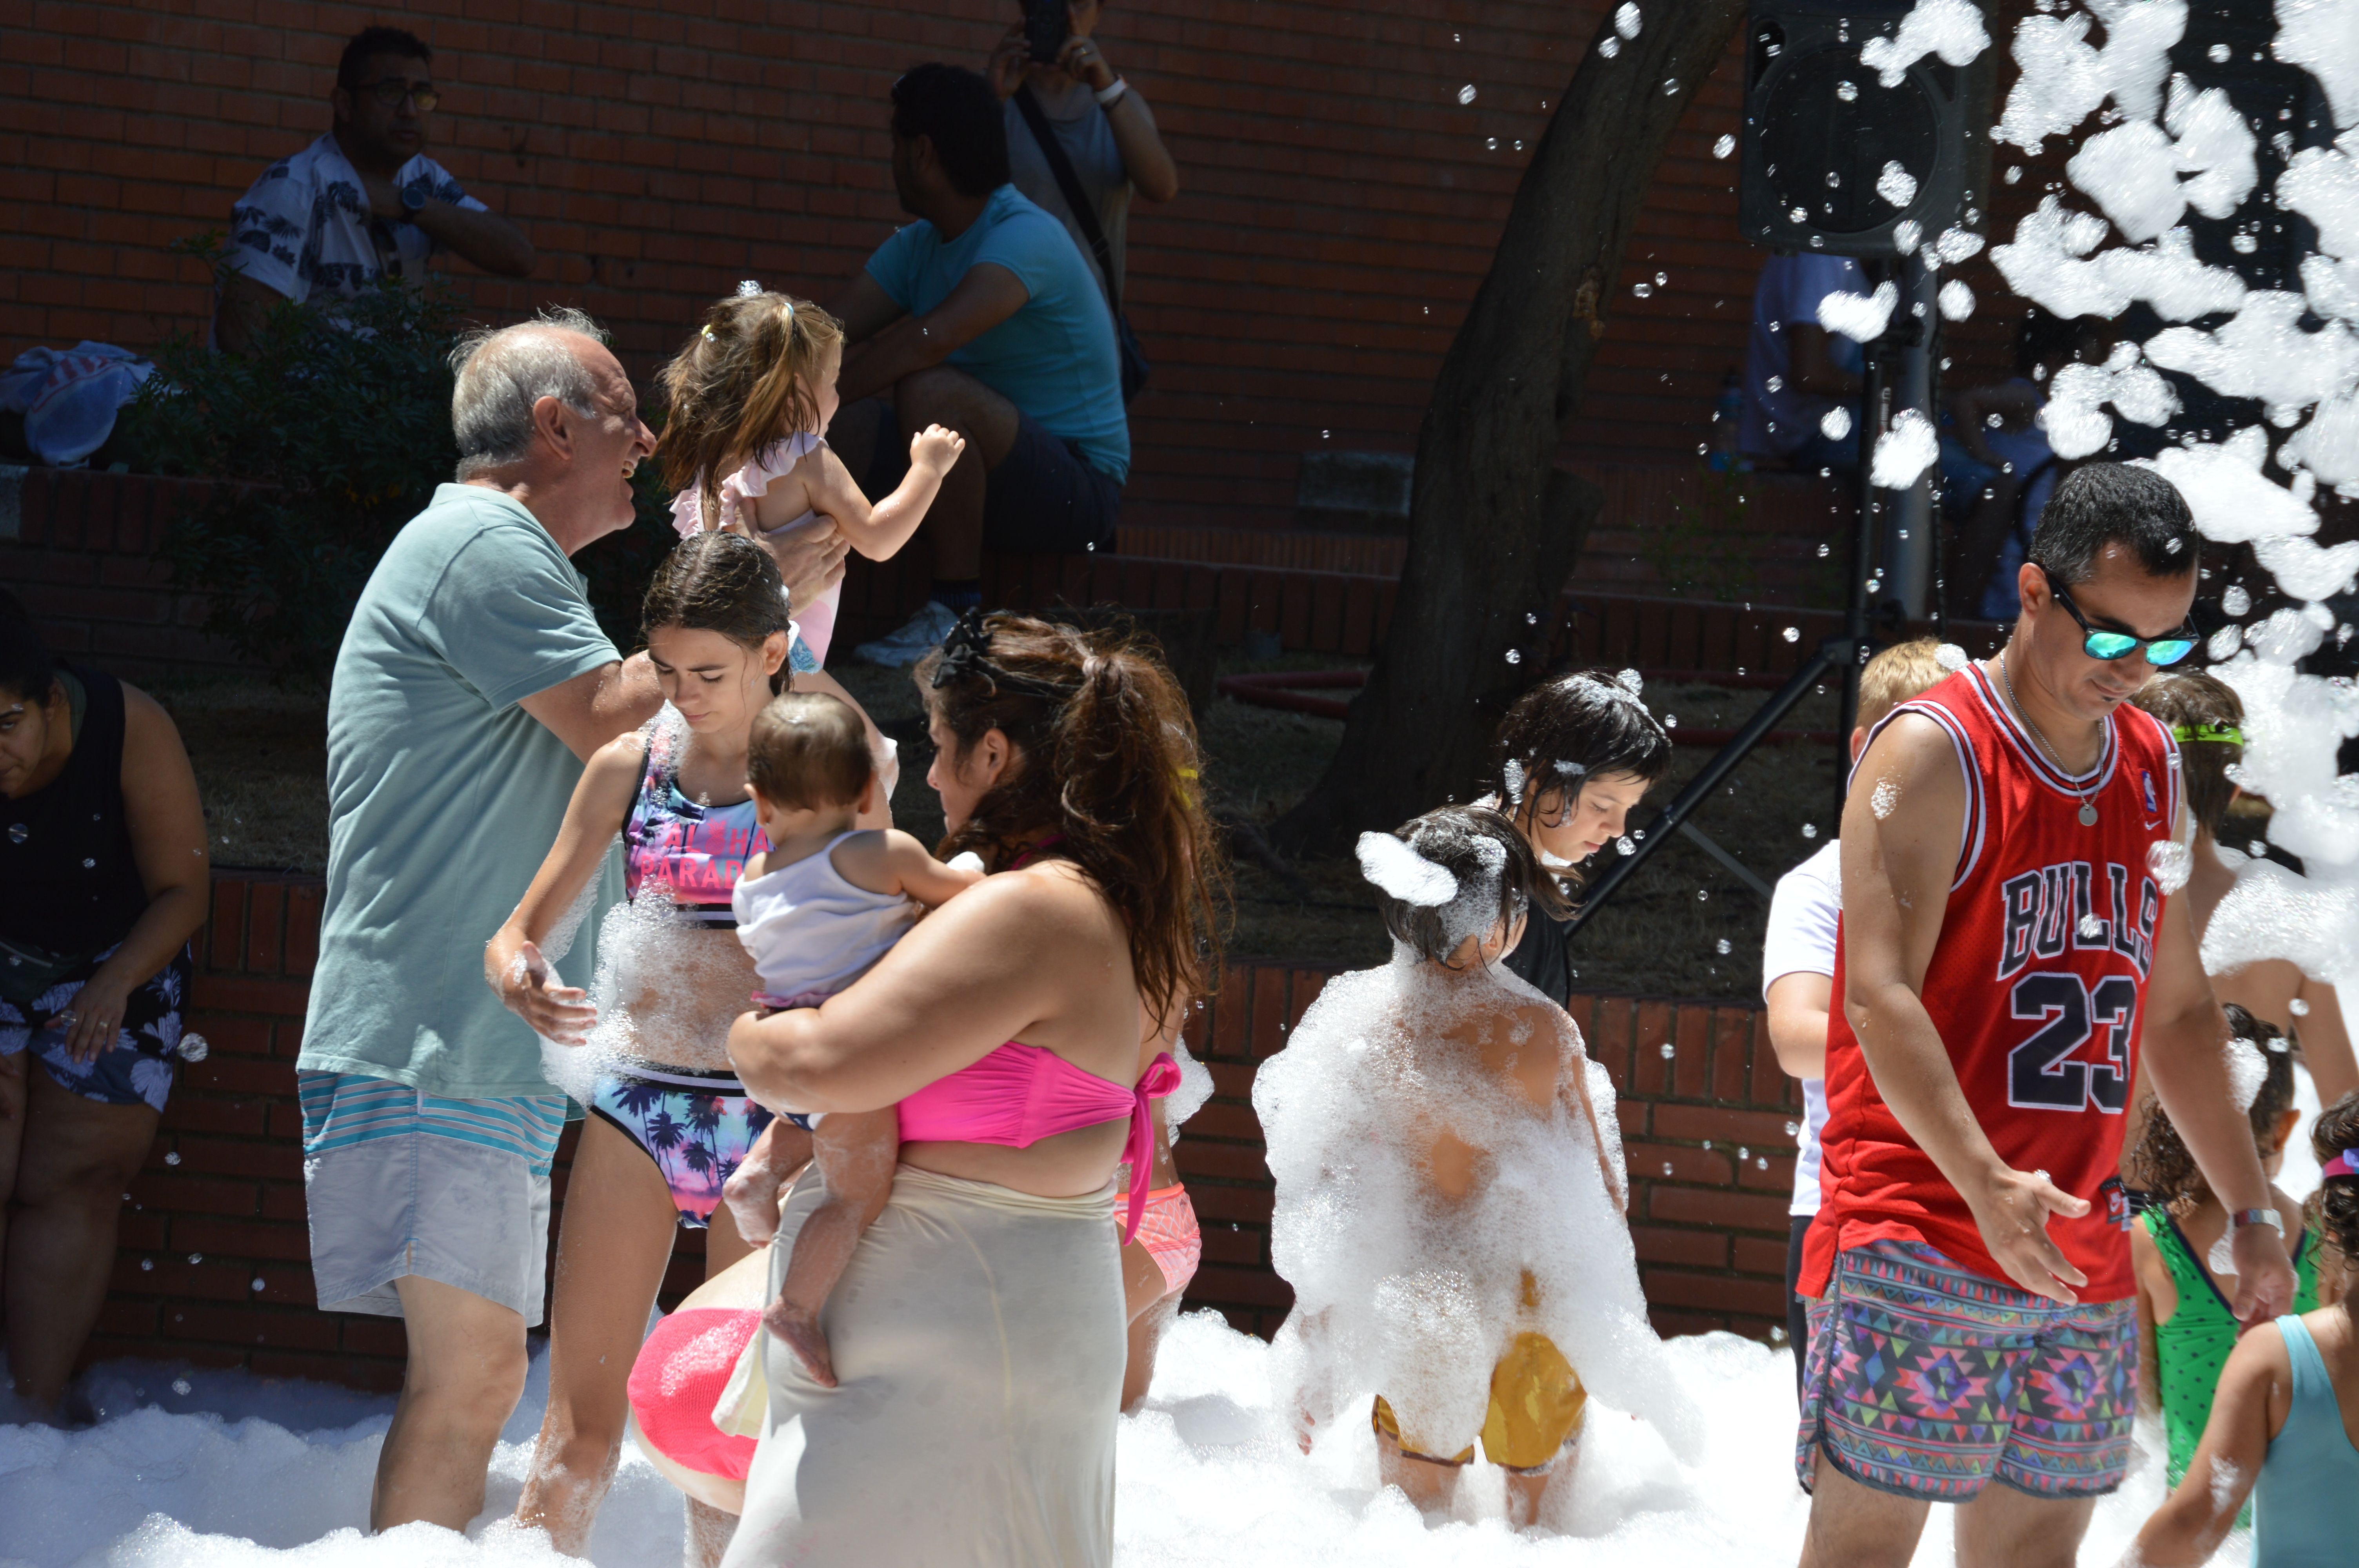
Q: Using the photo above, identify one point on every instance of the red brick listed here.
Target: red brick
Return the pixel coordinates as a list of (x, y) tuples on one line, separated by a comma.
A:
[(1754, 1256), (1695, 1248), (1760, 1130), (1229, 1204), (1714, 1292), (225, 993), (1723, 1210)]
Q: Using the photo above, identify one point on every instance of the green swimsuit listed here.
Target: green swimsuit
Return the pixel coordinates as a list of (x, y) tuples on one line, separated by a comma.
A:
[(2192, 1348)]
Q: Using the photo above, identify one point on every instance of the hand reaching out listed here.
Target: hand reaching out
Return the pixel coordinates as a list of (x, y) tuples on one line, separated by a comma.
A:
[(2011, 1213), (558, 1012), (935, 450)]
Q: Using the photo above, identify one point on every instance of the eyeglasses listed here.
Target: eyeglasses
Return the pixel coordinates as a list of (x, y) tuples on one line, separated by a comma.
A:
[(2099, 644), (392, 90)]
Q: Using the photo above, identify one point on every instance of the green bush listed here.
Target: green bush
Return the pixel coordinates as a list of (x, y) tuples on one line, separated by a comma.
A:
[(330, 432)]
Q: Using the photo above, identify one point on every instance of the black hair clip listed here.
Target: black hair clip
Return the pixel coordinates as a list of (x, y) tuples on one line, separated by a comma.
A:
[(967, 652)]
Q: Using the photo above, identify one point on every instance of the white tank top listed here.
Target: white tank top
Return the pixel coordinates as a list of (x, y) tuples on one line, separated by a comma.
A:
[(809, 931)]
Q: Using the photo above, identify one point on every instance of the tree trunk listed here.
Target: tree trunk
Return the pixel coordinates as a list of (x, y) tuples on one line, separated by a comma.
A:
[(1494, 526)]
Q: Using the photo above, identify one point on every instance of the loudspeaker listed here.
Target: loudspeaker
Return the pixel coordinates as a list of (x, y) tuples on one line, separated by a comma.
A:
[(1821, 127)]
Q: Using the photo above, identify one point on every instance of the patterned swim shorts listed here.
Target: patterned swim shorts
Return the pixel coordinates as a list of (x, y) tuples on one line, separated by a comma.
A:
[(1928, 1381), (696, 1127)]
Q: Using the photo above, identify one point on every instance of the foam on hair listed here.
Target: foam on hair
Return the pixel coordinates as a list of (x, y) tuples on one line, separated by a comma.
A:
[(1458, 872)]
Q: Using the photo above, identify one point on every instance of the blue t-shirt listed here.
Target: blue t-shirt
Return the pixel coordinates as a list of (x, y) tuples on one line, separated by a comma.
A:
[(1054, 359)]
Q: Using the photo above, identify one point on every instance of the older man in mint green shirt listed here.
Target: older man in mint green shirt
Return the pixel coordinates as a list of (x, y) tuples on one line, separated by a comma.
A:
[(473, 682)]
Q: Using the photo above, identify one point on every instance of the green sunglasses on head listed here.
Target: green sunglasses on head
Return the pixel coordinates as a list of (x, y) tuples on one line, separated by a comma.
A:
[(2099, 644)]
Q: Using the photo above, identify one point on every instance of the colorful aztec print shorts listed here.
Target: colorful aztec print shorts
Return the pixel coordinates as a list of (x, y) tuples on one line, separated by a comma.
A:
[(1930, 1381), (696, 1127)]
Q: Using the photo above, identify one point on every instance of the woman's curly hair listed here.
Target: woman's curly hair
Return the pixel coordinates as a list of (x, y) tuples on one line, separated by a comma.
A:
[(1106, 765), (2164, 1168)]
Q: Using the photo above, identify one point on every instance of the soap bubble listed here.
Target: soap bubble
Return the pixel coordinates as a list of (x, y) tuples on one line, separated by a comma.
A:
[(2299, 1008), (1669, 1051), (257, 1283), (2235, 601), (1515, 657), (173, 1158), (2218, 54), (193, 1047), (1792, 633), (2248, 1071), (1836, 423), (1466, 93), (2091, 928), (1809, 829), (1623, 846), (1625, 19), (1642, 288), (196, 1257), (1722, 946), (179, 1385), (146, 1265), (1847, 91), (1722, 147), (1609, 47), (2169, 862)]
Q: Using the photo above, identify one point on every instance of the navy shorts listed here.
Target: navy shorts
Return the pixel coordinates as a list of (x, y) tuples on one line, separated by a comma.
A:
[(1043, 498), (139, 1067)]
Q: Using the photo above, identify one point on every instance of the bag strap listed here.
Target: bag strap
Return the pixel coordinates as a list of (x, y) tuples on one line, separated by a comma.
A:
[(1069, 184)]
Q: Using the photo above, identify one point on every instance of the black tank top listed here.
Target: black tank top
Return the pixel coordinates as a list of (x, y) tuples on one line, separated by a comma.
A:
[(72, 887)]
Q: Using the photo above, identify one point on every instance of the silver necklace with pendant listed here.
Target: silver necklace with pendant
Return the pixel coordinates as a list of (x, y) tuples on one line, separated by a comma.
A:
[(2088, 802)]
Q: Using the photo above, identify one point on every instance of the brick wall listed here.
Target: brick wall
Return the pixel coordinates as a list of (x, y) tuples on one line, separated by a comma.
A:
[(1338, 204), (214, 1260)]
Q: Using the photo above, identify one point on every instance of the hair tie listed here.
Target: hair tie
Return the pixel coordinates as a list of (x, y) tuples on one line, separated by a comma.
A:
[(2226, 734), (708, 333), (2343, 1164), (967, 652)]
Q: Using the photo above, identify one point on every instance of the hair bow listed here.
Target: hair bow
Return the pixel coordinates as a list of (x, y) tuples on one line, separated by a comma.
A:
[(967, 652)]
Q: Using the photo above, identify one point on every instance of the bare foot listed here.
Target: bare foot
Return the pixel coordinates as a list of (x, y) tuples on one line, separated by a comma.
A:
[(800, 1331)]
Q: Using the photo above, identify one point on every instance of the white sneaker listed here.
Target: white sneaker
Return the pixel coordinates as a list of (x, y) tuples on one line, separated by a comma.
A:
[(913, 642)]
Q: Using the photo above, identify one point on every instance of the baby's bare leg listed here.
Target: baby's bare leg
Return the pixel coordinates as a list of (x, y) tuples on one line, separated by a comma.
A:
[(857, 1155), (752, 1190)]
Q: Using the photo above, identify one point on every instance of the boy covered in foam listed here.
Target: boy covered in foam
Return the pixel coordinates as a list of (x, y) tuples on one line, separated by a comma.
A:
[(1451, 1191), (815, 910)]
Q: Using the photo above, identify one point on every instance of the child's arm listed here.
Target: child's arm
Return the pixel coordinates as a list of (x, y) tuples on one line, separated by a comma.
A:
[(879, 531), (2150, 1362), (892, 862), (512, 960), (2195, 1519), (1572, 1087)]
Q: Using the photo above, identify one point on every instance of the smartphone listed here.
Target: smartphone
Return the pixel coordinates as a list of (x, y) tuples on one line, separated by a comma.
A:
[(1046, 28)]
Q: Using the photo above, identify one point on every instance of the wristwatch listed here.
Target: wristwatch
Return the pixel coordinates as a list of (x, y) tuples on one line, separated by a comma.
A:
[(414, 200), (2268, 1217)]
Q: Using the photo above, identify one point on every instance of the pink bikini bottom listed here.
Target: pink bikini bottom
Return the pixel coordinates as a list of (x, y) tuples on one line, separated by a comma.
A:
[(1170, 1235)]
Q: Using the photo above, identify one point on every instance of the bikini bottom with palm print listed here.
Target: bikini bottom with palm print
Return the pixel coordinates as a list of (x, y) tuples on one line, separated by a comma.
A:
[(696, 1127)]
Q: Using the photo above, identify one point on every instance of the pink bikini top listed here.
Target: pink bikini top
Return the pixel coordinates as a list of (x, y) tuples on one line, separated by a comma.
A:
[(1020, 1093)]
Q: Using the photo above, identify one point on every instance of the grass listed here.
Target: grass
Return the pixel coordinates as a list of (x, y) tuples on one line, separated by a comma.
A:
[(260, 756)]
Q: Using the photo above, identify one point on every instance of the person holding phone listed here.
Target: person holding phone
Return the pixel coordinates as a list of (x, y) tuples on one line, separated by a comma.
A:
[(1099, 120)]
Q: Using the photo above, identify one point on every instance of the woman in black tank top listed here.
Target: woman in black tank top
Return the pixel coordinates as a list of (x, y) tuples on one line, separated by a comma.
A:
[(103, 860)]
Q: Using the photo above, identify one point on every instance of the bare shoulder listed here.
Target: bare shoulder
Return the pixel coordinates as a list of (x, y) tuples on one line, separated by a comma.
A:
[(1048, 901), (145, 721), (625, 754), (1916, 744)]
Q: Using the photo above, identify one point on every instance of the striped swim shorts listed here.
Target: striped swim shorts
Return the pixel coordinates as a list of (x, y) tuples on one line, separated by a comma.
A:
[(1930, 1381), (400, 1183)]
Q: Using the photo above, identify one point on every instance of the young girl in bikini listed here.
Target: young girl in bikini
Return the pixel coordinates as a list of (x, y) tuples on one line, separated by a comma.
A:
[(745, 440), (669, 1120), (2185, 1329)]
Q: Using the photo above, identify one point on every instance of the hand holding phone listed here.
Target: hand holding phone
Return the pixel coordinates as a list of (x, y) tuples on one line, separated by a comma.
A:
[(1045, 28)]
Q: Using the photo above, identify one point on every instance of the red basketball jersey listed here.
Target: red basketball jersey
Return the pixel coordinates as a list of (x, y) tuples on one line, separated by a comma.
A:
[(2036, 985)]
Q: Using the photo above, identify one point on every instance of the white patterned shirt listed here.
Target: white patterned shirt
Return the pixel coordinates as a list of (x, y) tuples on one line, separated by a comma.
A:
[(305, 227)]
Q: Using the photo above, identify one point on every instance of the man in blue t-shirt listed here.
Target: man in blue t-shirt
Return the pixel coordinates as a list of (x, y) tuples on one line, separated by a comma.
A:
[(984, 317)]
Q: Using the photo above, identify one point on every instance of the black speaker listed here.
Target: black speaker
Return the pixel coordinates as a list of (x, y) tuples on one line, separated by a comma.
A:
[(1819, 128)]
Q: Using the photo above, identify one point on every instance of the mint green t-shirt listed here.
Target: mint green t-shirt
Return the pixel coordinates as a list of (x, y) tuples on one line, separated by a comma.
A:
[(444, 796)]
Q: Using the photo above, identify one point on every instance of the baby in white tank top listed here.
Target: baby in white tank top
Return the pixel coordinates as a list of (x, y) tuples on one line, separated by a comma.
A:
[(815, 910)]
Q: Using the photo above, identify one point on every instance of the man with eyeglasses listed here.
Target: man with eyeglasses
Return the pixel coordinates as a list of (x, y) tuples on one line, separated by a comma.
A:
[(362, 202), (2008, 951)]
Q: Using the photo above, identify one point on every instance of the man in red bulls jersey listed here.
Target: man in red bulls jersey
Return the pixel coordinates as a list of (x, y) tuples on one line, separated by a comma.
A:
[(2008, 946)]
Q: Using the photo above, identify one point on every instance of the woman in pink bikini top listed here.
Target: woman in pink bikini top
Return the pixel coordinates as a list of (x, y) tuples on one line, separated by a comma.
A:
[(979, 1333)]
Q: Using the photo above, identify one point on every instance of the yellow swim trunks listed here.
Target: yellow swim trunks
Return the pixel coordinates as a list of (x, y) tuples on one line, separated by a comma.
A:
[(1537, 1401)]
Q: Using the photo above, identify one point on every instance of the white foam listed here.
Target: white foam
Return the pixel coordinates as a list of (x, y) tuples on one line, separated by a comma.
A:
[(2248, 1072), (1401, 1289), (1860, 317), (2323, 37), (1206, 1477), (1904, 451), (1403, 873), (1951, 28), (1956, 300), (1895, 184)]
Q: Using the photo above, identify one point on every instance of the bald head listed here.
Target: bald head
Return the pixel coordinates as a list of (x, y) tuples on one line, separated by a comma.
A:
[(503, 373)]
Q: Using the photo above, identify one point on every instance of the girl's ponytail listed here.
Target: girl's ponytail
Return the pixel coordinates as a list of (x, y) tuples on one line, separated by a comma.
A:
[(749, 377)]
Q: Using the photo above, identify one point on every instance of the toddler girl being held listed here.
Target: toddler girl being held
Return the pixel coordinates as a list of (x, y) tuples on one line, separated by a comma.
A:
[(744, 442), (815, 910)]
